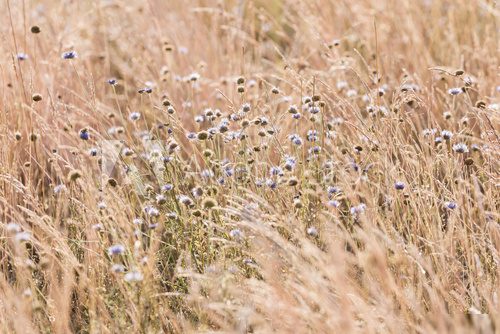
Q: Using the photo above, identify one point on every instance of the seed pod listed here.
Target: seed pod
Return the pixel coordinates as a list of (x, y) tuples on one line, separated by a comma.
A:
[(112, 182), (74, 175), (209, 203), (202, 135)]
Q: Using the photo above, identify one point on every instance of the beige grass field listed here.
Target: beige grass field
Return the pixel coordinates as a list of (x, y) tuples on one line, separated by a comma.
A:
[(249, 166)]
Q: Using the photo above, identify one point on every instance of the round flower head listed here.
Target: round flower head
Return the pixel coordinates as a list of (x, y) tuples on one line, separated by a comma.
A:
[(334, 203), (460, 148), (93, 152), (450, 205), (134, 116), (22, 56), (235, 234), (331, 190), (446, 134), (359, 209), (84, 134), (112, 81), (69, 55), (118, 268), (167, 187), (23, 236), (13, 228), (133, 276), (137, 221), (314, 110), (399, 185), (312, 231), (455, 91), (116, 250), (59, 188)]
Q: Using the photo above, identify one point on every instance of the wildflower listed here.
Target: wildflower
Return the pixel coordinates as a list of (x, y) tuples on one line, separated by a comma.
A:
[(146, 89), (295, 138), (172, 215), (235, 234), (194, 76), (446, 134), (312, 135), (293, 109), (59, 188), (297, 203), (22, 236), (460, 148), (197, 191), (207, 174), (438, 140), (334, 203), (314, 110), (84, 134), (101, 205), (312, 231), (134, 116), (118, 268), (357, 210), (399, 185), (22, 56), (332, 190), (455, 91), (152, 211), (69, 55), (137, 221), (351, 93), (116, 250), (315, 150), (429, 132), (246, 107), (133, 276), (296, 116), (93, 152), (97, 227), (276, 171), (186, 200), (271, 183), (112, 82), (160, 199), (450, 205), (341, 85), (290, 163), (13, 228), (228, 171)]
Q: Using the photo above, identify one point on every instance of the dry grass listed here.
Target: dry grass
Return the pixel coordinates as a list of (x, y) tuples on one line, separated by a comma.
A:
[(379, 222)]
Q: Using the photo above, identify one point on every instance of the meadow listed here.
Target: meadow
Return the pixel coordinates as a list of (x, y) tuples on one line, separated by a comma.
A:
[(249, 166)]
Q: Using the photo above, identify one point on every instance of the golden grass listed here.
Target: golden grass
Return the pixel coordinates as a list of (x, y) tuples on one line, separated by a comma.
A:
[(381, 222)]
